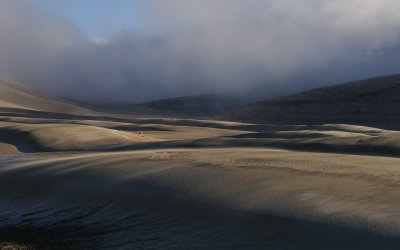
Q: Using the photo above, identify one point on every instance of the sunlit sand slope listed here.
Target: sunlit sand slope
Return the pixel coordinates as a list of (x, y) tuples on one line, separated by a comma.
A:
[(16, 95), (65, 137), (109, 181), (42, 134), (358, 192)]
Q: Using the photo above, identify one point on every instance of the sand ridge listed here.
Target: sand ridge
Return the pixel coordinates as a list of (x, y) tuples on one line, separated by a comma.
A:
[(207, 177), (355, 191), (17, 95)]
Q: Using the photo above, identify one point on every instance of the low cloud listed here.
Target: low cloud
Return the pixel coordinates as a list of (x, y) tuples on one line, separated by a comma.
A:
[(187, 47)]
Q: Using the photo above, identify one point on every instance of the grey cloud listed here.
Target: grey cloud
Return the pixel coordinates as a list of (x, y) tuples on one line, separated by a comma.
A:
[(186, 47)]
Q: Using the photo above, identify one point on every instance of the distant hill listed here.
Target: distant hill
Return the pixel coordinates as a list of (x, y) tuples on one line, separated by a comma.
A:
[(371, 102), (15, 95), (188, 106)]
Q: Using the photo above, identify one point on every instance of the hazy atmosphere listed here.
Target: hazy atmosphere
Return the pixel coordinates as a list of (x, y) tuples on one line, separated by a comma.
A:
[(200, 124), (133, 51)]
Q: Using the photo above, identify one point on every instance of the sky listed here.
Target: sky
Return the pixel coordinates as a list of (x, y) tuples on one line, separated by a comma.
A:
[(139, 50), (97, 18)]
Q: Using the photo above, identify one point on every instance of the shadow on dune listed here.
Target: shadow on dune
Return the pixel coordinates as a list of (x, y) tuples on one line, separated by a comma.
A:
[(274, 142), (92, 227), (23, 141)]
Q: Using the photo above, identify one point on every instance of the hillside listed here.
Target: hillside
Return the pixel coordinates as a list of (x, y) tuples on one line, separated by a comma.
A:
[(371, 102), (97, 182), (15, 95), (185, 106)]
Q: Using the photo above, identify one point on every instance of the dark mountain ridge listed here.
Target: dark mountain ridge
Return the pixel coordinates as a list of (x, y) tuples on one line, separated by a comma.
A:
[(371, 102)]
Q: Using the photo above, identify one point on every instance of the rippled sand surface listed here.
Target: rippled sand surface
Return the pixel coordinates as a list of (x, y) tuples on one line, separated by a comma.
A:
[(119, 182), (203, 198)]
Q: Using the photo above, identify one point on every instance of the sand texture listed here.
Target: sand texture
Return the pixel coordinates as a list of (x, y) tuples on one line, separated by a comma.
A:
[(72, 180)]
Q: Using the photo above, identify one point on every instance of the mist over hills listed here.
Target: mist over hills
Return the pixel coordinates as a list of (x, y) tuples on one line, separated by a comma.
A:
[(187, 106), (18, 96), (55, 153), (371, 102), (200, 124), (222, 45)]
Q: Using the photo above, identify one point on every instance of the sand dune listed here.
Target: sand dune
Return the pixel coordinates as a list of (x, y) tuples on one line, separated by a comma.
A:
[(109, 181), (312, 186), (19, 96), (65, 137), (348, 193), (6, 148), (41, 135), (172, 170)]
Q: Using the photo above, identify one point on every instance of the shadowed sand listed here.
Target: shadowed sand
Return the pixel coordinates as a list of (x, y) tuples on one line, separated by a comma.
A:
[(344, 189), (344, 194), (103, 181)]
